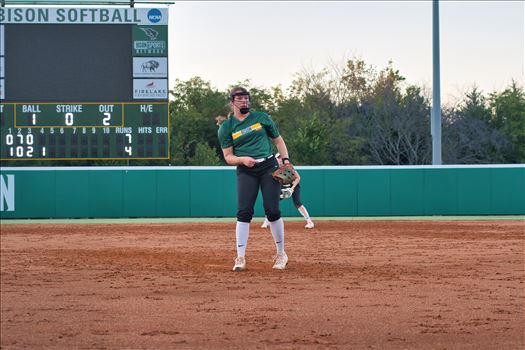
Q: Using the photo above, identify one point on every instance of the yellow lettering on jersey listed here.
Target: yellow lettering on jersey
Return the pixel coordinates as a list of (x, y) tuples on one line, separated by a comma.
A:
[(236, 134), (251, 128)]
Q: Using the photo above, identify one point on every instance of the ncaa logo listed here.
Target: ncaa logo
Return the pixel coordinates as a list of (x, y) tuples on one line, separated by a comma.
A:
[(154, 16)]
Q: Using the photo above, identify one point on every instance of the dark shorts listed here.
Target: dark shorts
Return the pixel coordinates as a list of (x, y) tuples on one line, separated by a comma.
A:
[(296, 196), (249, 181)]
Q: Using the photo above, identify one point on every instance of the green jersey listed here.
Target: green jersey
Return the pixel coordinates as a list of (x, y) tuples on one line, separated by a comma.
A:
[(250, 137)]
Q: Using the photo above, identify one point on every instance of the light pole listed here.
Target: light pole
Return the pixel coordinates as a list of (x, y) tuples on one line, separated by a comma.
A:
[(435, 116)]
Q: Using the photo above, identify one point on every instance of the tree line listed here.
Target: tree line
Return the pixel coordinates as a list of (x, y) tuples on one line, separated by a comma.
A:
[(350, 114)]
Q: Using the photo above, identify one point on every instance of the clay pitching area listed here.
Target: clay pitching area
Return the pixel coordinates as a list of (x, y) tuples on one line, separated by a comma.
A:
[(349, 285)]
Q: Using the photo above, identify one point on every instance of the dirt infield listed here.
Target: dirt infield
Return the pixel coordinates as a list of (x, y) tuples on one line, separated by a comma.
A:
[(349, 285)]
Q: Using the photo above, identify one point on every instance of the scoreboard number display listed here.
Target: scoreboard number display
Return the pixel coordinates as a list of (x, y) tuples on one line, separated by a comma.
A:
[(84, 83)]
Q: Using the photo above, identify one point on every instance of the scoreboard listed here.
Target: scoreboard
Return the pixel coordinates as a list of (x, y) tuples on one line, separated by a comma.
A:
[(84, 130), (83, 83)]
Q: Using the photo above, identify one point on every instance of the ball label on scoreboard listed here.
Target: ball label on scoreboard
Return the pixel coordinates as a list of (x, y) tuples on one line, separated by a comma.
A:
[(31, 109)]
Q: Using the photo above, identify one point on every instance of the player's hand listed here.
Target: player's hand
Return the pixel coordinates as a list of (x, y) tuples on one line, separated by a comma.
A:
[(286, 193), (248, 161)]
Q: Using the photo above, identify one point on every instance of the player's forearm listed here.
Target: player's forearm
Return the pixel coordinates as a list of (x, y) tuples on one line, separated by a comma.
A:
[(281, 147), (234, 160)]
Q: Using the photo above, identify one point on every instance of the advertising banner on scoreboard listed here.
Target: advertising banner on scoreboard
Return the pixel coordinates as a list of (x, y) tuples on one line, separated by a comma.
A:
[(150, 41), (150, 67), (2, 89), (142, 16), (2, 69), (150, 88)]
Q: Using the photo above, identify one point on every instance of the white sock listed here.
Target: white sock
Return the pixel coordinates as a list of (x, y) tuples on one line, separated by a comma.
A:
[(304, 212), (242, 231), (277, 228)]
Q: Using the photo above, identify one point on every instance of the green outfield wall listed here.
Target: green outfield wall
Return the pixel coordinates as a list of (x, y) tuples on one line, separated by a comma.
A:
[(163, 192)]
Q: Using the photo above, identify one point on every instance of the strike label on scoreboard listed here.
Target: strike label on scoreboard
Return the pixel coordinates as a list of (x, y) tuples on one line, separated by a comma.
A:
[(78, 131)]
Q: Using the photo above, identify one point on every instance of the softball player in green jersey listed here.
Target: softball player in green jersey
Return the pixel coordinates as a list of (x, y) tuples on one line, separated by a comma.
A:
[(246, 139), (294, 191)]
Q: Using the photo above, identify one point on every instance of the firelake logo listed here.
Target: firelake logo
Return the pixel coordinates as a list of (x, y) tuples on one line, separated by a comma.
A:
[(7, 192), (154, 16), (150, 88)]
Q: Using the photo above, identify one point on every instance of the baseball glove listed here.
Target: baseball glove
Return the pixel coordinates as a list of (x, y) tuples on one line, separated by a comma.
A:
[(285, 174)]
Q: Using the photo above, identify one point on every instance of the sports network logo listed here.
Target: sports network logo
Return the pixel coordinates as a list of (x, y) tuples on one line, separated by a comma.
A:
[(150, 46)]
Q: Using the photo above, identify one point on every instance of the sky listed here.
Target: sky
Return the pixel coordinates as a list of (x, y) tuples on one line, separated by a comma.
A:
[(482, 42)]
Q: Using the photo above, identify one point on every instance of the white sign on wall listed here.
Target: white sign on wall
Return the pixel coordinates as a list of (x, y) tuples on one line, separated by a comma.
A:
[(2, 41), (7, 192), (2, 69), (150, 67), (2, 89), (143, 16), (150, 88)]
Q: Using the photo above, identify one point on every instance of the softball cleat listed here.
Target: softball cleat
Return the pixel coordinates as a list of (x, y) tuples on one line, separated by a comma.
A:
[(280, 261), (309, 224), (240, 264)]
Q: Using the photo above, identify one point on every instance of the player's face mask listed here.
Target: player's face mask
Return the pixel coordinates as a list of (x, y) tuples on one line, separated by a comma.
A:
[(241, 100)]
